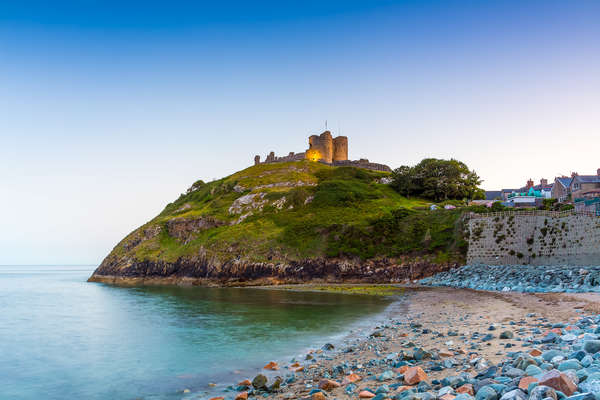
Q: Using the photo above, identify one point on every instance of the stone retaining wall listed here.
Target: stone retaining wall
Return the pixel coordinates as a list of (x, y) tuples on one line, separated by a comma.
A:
[(534, 238)]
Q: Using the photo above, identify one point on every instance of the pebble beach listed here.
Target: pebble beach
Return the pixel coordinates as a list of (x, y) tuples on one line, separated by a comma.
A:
[(451, 344)]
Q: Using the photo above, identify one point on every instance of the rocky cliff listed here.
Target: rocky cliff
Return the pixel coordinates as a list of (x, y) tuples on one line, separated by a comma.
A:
[(289, 223)]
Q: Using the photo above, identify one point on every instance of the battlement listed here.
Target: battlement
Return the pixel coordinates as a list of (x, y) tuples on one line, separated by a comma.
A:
[(325, 149)]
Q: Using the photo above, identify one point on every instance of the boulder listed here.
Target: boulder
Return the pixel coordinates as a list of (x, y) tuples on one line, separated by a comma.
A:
[(328, 384), (535, 353), (259, 382), (526, 381), (365, 394), (592, 346), (351, 379), (506, 335), (558, 381), (466, 388), (241, 396), (542, 392), (414, 375), (272, 366), (318, 396), (516, 394), (590, 385), (486, 393)]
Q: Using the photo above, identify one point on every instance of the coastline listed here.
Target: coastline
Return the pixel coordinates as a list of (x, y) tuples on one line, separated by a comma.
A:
[(429, 315)]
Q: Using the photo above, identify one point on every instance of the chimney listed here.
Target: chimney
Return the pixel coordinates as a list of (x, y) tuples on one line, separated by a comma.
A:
[(544, 182), (574, 174), (598, 172), (529, 184)]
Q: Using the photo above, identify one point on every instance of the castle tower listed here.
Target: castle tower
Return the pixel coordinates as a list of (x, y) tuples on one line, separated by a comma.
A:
[(340, 148), (321, 147)]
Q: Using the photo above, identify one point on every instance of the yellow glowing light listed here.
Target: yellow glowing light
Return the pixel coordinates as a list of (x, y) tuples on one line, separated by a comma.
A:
[(313, 155)]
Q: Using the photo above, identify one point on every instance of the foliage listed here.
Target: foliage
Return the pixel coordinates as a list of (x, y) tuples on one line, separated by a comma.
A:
[(497, 206), (550, 204), (438, 180), (328, 211), (566, 207), (402, 231)]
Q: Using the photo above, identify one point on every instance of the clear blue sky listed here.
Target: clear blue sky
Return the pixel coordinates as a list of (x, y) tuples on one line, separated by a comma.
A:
[(110, 109)]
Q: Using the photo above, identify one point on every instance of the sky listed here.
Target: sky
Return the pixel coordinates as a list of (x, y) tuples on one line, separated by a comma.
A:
[(110, 109)]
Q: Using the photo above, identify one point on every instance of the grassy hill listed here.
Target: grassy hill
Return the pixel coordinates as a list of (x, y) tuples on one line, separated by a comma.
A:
[(287, 212)]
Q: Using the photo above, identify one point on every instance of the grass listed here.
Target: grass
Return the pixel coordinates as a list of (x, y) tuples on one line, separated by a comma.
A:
[(367, 290), (336, 212)]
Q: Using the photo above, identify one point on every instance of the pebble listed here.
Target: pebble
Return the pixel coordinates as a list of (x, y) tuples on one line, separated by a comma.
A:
[(518, 279)]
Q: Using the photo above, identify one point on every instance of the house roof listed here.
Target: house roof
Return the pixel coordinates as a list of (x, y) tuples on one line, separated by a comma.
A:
[(587, 178), (566, 182), (545, 187), (492, 194)]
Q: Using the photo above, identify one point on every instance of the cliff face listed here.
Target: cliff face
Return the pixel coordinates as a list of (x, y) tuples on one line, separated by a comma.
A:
[(202, 271), (288, 223)]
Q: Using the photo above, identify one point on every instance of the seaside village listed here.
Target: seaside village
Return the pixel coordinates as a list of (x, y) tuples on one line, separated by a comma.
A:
[(581, 192)]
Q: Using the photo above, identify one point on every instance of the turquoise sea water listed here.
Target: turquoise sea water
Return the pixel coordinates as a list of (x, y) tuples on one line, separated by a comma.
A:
[(63, 338)]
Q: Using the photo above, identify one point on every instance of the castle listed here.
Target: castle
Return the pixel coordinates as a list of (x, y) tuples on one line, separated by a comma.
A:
[(325, 149)]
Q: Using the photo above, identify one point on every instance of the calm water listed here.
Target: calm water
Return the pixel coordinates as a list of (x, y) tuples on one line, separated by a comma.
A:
[(61, 337)]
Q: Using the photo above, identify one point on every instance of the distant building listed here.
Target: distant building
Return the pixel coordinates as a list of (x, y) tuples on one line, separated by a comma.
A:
[(493, 195), (529, 198), (584, 186), (505, 192), (544, 188), (591, 206), (560, 189)]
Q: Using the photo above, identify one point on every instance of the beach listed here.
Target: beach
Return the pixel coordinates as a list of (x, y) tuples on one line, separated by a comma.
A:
[(444, 332)]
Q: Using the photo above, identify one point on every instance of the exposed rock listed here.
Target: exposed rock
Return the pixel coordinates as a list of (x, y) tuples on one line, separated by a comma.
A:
[(414, 375), (251, 201), (542, 392), (184, 228), (328, 384), (242, 396), (259, 382), (351, 379), (272, 366), (558, 381), (365, 394)]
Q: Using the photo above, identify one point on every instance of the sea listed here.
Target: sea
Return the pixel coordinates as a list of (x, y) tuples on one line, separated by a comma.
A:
[(62, 337)]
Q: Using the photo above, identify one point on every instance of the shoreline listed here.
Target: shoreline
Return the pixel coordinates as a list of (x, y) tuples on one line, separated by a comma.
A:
[(426, 309)]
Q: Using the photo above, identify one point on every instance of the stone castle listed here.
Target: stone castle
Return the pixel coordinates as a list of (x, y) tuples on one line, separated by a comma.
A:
[(325, 149)]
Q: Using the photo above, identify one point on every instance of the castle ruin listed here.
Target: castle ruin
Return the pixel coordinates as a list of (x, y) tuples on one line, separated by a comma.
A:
[(325, 149)]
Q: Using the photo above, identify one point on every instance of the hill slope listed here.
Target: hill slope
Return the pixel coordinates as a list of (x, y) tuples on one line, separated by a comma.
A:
[(288, 222)]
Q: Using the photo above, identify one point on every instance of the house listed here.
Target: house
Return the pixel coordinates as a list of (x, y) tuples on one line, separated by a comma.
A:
[(591, 206), (585, 186), (529, 198), (505, 192), (560, 189), (493, 194), (544, 189)]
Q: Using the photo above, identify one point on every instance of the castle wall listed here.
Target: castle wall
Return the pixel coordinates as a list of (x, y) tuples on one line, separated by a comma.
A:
[(534, 238), (340, 148), (362, 164)]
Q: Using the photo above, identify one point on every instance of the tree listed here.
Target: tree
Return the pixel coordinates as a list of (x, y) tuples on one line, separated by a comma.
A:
[(403, 180), (438, 180)]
